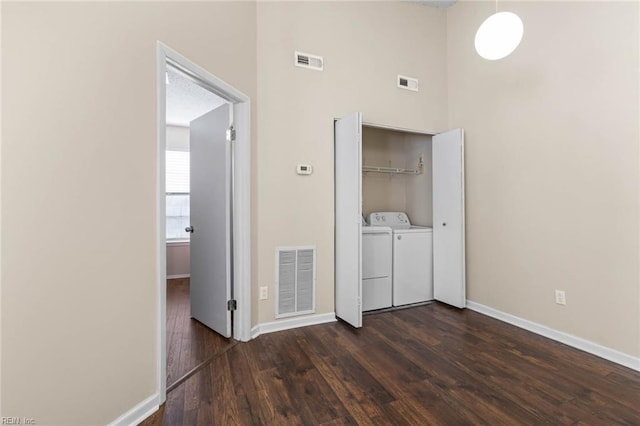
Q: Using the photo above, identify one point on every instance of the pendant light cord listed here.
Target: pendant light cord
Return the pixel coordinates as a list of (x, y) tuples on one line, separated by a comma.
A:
[(496, 6)]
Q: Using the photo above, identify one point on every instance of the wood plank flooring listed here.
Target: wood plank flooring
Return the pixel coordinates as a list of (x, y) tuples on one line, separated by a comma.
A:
[(188, 342), (425, 365)]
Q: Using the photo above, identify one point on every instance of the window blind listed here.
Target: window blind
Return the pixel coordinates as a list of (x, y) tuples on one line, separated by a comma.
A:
[(177, 171)]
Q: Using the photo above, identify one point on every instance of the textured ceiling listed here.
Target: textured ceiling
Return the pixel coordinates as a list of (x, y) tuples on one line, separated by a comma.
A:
[(186, 100)]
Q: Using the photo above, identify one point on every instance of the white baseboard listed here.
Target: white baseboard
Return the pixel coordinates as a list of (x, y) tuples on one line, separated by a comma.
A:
[(173, 277), (559, 336), (286, 324), (138, 413)]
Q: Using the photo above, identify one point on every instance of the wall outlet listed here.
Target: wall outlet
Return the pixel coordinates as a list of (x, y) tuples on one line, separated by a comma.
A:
[(264, 293), (560, 297)]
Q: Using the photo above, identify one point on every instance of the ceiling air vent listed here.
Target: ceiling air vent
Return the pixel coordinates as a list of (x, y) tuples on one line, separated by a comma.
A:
[(407, 83), (306, 60)]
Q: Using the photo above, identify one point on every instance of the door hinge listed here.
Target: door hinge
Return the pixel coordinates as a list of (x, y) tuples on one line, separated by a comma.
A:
[(232, 305), (231, 134)]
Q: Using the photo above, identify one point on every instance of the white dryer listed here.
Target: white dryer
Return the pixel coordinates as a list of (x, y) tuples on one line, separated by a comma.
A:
[(376, 267), (412, 258)]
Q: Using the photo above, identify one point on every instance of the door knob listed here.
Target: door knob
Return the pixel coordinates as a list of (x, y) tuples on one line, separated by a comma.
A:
[(399, 237), (189, 229)]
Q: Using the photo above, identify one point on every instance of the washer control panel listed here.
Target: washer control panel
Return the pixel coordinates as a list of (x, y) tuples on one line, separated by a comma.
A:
[(392, 219)]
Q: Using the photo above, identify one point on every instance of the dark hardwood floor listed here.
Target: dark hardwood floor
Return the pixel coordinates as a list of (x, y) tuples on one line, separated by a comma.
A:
[(188, 342), (425, 365)]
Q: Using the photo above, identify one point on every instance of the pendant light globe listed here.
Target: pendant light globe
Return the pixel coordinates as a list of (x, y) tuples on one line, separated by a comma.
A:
[(499, 35)]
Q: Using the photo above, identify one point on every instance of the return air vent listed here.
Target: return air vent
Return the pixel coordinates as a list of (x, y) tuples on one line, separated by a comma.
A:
[(295, 281), (305, 60), (407, 83)]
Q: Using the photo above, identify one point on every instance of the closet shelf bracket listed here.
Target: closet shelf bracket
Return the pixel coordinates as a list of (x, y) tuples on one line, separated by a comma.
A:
[(391, 170)]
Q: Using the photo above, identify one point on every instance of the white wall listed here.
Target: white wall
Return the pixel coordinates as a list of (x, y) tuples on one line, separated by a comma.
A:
[(177, 138), (365, 45), (79, 193), (552, 165)]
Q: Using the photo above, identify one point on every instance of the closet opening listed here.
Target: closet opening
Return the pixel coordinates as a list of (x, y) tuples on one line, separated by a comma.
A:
[(399, 214)]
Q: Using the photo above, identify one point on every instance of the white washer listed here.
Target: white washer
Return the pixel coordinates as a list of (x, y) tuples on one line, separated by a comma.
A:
[(376, 267), (412, 258)]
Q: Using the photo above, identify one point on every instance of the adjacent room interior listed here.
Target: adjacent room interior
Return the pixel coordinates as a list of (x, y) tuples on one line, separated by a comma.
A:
[(189, 342)]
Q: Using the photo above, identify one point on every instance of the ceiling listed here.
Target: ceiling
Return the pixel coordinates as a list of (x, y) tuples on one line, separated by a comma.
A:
[(186, 100), (436, 3)]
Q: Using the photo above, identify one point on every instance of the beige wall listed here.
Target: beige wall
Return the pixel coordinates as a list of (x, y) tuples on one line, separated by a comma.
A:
[(383, 192), (552, 166), (178, 259), (79, 194), (398, 192), (365, 46), (419, 189)]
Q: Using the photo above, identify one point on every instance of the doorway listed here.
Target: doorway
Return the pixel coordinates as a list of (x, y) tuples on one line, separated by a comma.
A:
[(233, 295), (191, 339)]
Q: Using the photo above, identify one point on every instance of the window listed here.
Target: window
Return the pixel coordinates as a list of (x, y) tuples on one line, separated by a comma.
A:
[(177, 172)]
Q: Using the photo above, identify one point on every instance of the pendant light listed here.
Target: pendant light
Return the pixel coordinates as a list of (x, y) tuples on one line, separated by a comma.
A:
[(499, 35)]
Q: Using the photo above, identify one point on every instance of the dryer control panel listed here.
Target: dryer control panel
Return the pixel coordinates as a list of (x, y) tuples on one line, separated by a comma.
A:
[(392, 219)]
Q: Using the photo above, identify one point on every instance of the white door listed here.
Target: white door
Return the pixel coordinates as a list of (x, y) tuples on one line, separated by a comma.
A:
[(448, 218), (348, 213), (211, 220)]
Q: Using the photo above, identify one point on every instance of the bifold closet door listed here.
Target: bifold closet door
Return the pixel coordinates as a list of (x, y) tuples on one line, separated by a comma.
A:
[(348, 218), (448, 218)]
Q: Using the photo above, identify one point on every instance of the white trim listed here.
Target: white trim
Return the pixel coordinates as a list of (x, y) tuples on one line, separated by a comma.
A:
[(161, 236), (172, 124), (1, 341), (287, 324), (242, 200), (396, 128), (559, 336), (242, 220), (176, 276), (464, 215), (178, 243), (138, 413)]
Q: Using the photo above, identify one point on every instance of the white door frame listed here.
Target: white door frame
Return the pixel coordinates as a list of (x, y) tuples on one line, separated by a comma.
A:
[(241, 232)]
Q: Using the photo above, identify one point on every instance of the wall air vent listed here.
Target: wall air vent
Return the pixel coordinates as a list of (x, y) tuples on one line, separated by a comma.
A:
[(407, 83), (305, 60), (295, 281)]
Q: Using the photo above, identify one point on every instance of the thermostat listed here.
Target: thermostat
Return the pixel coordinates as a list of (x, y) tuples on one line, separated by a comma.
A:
[(304, 169)]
